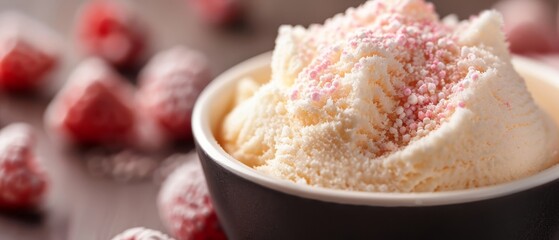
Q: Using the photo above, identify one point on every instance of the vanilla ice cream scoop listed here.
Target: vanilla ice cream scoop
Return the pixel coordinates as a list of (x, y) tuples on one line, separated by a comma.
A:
[(389, 98)]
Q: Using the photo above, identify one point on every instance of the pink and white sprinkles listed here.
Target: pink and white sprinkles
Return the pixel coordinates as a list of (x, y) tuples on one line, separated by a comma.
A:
[(429, 55)]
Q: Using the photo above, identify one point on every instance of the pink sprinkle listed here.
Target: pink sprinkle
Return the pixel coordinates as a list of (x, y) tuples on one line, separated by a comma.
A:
[(409, 112), (358, 66), (462, 104), (413, 126), (475, 76), (421, 99), (411, 41), (335, 84), (429, 45), (429, 114), (421, 115), (402, 130), (294, 94), (407, 91), (315, 96), (433, 99), (412, 99), (401, 39), (422, 88), (432, 87), (406, 138), (313, 74)]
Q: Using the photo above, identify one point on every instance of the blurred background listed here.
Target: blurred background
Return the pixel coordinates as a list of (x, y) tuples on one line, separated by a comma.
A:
[(174, 22), (82, 206)]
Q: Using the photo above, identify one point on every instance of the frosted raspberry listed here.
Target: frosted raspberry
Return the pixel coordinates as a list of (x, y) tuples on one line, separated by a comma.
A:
[(95, 106), (217, 12), (111, 31), (23, 183), (185, 205), (169, 87), (529, 25), (28, 52)]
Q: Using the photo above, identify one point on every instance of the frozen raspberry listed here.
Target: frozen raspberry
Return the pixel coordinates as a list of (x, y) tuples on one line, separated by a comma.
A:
[(22, 67), (111, 31), (217, 12), (529, 25), (169, 86), (95, 107), (185, 205), (22, 182), (28, 53), (140, 233)]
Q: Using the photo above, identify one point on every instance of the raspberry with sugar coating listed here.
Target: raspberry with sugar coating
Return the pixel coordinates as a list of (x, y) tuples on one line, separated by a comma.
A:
[(95, 106), (23, 183), (29, 52), (169, 87), (111, 31), (185, 205)]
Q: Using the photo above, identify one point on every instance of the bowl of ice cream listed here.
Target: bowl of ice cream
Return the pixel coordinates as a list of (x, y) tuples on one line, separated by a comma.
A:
[(384, 123)]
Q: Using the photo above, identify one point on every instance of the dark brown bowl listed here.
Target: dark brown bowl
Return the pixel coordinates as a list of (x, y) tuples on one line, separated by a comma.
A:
[(251, 205)]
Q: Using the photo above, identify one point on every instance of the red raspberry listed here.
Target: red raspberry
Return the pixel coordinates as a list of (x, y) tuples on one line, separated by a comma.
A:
[(169, 86), (22, 183), (111, 31), (22, 67), (28, 53), (185, 205), (95, 107), (217, 12), (141, 234), (529, 25)]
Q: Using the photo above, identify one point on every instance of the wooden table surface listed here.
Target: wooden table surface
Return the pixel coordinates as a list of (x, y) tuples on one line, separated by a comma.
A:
[(84, 207)]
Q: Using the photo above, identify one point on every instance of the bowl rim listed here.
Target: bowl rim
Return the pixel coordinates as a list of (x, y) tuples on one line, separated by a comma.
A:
[(208, 144)]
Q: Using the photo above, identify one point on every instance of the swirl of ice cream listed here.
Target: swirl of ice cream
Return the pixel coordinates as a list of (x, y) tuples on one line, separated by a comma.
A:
[(387, 97)]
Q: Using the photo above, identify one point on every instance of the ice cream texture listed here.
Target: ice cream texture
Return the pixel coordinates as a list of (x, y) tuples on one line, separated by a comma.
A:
[(388, 97)]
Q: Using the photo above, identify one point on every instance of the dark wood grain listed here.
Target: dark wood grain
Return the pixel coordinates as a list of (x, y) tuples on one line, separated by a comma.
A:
[(83, 207)]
